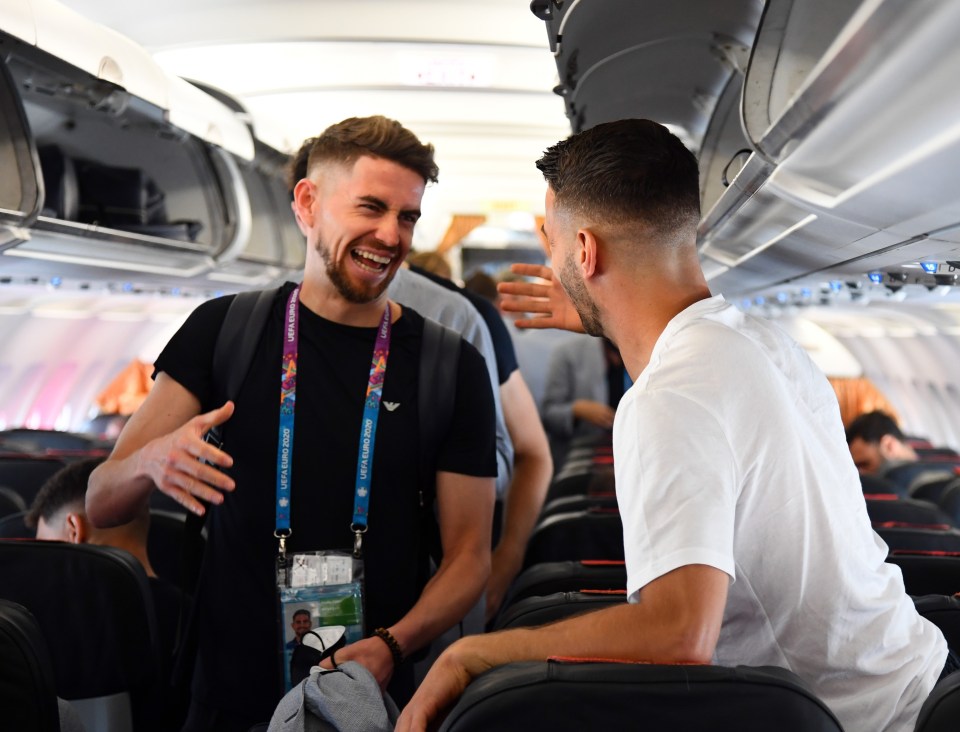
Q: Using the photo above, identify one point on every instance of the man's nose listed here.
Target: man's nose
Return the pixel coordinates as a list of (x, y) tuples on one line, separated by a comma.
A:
[(388, 231)]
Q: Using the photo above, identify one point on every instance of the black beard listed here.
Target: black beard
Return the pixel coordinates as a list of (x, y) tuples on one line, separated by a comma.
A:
[(347, 290), (582, 302)]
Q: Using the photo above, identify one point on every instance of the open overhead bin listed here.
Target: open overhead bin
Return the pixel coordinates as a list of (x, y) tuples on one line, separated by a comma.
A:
[(123, 170)]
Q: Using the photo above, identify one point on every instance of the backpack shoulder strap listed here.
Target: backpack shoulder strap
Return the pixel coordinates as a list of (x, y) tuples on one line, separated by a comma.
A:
[(437, 389), (436, 396), (239, 336)]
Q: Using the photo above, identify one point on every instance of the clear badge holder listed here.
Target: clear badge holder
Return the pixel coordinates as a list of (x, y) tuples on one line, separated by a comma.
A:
[(322, 592)]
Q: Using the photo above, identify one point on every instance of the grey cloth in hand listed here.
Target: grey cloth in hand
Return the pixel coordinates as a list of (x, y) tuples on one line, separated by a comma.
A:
[(344, 699)]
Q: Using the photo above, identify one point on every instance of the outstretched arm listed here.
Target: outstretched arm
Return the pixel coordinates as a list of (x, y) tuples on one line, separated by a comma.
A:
[(161, 447), (532, 470), (465, 512), (677, 620), (547, 298)]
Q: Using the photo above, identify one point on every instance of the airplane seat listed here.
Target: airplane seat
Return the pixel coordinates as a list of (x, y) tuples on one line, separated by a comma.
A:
[(918, 538), (537, 610), (94, 606), (550, 577), (566, 695), (28, 695), (14, 526), (165, 545), (928, 573), (904, 474), (583, 502), (931, 486), (592, 534), (944, 612), (61, 194), (875, 485), (906, 510), (27, 473), (949, 500), (10, 502), (941, 710), (39, 442)]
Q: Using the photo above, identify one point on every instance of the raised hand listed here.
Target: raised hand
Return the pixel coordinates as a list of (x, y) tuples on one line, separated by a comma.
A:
[(173, 462), (546, 298)]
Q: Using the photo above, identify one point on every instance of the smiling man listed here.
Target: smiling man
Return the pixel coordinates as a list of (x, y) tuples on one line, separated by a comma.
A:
[(329, 343)]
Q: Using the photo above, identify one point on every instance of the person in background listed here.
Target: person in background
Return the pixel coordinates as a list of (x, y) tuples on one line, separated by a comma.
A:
[(519, 506), (876, 443), (58, 513), (585, 381)]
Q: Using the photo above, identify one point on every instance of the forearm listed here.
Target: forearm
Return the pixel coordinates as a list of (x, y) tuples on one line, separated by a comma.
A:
[(531, 479), (446, 599), (118, 491), (624, 632)]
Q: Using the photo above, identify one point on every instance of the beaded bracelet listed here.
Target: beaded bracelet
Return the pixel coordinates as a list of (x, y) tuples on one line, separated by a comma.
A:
[(387, 637)]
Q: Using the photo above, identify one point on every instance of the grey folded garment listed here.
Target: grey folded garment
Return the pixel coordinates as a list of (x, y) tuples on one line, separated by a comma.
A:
[(344, 699)]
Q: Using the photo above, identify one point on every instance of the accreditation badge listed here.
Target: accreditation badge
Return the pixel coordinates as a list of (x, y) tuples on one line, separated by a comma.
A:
[(319, 591)]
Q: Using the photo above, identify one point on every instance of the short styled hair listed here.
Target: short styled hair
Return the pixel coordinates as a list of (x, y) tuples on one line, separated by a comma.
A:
[(355, 137), (302, 611), (629, 171), (872, 426), (66, 487)]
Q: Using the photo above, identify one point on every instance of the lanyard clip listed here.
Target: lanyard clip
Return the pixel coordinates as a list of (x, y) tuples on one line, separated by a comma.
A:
[(282, 557), (358, 532)]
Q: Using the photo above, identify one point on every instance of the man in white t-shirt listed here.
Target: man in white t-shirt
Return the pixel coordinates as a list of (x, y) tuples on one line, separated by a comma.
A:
[(746, 536)]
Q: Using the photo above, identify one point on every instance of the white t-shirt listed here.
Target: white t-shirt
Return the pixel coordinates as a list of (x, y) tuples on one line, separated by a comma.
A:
[(729, 452)]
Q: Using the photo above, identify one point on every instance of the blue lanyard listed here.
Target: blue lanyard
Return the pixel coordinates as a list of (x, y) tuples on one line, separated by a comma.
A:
[(368, 430)]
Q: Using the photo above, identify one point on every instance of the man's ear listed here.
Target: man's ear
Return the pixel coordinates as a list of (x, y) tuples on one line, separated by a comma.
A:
[(304, 197), (587, 252), (889, 447), (76, 528)]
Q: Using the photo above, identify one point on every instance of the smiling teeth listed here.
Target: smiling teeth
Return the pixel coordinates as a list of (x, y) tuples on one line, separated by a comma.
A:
[(374, 257)]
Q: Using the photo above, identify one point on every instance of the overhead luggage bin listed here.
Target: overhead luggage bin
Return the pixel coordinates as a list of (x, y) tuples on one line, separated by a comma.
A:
[(855, 159), (605, 52), (110, 185)]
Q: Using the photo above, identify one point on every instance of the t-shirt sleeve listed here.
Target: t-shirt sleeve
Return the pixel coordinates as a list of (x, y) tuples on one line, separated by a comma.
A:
[(502, 342), (188, 355), (677, 487), (470, 446)]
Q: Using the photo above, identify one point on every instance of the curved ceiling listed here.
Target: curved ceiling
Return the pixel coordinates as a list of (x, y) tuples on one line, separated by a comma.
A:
[(474, 79)]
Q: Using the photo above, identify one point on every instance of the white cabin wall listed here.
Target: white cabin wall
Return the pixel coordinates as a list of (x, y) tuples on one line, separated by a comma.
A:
[(58, 352)]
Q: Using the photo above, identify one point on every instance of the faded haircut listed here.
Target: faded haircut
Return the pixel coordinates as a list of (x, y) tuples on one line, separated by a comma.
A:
[(355, 137), (65, 488), (632, 171)]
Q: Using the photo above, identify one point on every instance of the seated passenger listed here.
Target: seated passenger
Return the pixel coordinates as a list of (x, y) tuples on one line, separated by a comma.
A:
[(585, 380), (876, 443), (746, 537), (58, 513)]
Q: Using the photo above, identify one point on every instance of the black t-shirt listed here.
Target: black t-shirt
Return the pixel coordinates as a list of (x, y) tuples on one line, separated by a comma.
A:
[(236, 604), (503, 349)]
